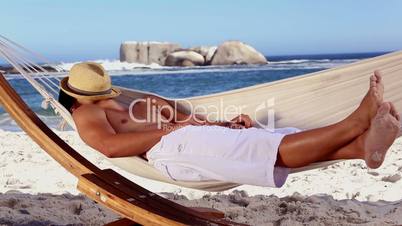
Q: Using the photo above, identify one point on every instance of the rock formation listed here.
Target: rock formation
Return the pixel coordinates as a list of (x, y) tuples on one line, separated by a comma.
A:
[(169, 54), (146, 52), (235, 52), (184, 58)]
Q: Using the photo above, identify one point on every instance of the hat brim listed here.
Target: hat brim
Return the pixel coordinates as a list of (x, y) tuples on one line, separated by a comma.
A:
[(63, 86)]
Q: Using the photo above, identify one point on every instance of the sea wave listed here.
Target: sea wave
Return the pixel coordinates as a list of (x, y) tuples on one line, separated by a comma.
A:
[(116, 68), (109, 65), (298, 61), (314, 61)]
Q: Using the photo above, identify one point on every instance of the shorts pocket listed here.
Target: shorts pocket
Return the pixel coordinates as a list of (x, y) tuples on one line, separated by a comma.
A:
[(182, 173)]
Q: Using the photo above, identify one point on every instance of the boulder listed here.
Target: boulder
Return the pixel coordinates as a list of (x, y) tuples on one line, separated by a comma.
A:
[(210, 54), (146, 52), (159, 51), (184, 58), (134, 52), (235, 52), (206, 51)]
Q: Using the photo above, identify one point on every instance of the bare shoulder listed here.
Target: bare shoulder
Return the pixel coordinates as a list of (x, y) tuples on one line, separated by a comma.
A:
[(111, 104), (91, 117), (92, 124), (87, 111)]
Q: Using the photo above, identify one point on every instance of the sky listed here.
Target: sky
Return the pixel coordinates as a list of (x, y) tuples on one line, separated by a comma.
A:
[(69, 30)]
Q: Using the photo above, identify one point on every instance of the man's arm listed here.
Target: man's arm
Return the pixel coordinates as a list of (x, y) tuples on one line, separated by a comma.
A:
[(172, 113), (239, 122), (95, 130)]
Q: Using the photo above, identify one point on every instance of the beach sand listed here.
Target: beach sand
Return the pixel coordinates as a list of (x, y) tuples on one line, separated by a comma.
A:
[(35, 189)]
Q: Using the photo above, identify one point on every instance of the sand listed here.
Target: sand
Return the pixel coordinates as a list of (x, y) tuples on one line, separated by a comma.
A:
[(36, 190)]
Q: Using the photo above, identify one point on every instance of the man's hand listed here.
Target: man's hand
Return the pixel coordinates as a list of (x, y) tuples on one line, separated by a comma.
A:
[(240, 122), (170, 127), (197, 120), (243, 120)]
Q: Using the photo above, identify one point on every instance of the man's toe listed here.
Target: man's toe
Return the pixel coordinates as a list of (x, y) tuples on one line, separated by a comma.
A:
[(378, 76), (384, 109)]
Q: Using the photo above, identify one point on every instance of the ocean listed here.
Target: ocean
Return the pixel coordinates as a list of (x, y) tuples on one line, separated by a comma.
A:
[(186, 82)]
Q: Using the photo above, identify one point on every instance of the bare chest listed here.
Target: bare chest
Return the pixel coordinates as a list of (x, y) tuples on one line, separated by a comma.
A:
[(122, 122)]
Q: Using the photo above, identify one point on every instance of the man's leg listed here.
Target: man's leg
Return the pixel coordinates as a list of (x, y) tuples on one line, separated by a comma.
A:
[(371, 146), (303, 148)]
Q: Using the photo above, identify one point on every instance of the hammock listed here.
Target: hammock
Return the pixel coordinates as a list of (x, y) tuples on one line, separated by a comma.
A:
[(305, 102)]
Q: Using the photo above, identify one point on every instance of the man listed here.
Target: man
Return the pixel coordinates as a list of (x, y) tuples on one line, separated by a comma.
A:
[(189, 148)]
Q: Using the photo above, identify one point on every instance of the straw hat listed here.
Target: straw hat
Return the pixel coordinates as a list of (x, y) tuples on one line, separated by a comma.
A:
[(89, 81)]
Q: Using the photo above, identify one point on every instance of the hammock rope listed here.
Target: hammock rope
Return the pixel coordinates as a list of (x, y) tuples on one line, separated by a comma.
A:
[(28, 52), (36, 75)]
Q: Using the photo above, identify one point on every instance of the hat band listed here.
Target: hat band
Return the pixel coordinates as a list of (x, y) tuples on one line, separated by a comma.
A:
[(88, 93)]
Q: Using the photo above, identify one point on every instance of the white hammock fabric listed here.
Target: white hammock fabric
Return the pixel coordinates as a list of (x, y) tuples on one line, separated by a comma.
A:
[(306, 102)]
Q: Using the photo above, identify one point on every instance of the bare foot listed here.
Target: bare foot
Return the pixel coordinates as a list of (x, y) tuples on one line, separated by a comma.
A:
[(370, 103), (382, 133), (396, 114)]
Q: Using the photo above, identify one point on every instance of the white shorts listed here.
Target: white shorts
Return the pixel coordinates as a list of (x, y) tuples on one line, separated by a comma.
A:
[(200, 153)]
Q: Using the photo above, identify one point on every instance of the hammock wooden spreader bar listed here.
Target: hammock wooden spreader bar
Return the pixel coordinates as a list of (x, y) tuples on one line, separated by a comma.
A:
[(106, 187)]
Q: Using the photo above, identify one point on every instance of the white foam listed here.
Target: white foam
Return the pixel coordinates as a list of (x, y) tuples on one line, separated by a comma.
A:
[(317, 61), (109, 65), (310, 63)]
